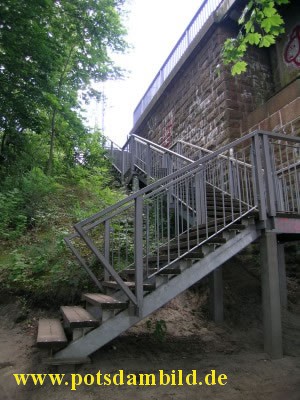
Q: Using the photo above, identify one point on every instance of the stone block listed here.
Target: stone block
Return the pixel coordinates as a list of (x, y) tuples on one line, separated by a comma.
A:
[(291, 111)]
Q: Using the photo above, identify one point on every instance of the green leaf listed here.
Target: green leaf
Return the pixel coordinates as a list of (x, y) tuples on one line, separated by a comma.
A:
[(267, 41), (279, 2), (253, 38), (248, 25), (270, 22), (270, 10), (239, 67)]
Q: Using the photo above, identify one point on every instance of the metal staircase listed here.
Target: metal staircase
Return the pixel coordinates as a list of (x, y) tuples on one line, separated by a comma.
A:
[(197, 210)]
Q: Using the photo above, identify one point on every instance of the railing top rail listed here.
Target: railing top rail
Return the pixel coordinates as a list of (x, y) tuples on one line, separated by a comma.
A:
[(205, 11), (186, 169), (113, 143), (210, 152), (161, 181), (161, 148)]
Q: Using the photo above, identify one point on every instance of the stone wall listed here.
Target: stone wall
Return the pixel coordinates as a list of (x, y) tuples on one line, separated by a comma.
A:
[(204, 105), (280, 114)]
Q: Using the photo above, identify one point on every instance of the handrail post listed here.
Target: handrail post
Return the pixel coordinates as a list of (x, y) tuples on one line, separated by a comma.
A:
[(148, 163), (258, 177), (123, 166), (133, 154), (106, 246), (200, 198), (269, 177), (138, 253), (231, 178)]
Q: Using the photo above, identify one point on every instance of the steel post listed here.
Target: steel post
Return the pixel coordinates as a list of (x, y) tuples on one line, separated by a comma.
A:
[(282, 275), (271, 295)]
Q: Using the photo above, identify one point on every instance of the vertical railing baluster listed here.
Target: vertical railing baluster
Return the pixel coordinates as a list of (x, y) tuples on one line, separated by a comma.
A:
[(138, 253), (107, 246), (168, 224), (148, 163)]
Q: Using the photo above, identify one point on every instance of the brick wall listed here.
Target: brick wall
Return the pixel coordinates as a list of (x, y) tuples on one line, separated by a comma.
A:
[(205, 105), (280, 114)]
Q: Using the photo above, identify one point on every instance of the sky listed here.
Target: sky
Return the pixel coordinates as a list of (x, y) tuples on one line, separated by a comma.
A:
[(154, 27)]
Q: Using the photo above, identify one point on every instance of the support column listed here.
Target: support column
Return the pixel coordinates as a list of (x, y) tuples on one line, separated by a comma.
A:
[(271, 296), (216, 295), (282, 275)]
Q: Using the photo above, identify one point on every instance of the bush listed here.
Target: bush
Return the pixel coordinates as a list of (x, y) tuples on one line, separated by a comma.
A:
[(20, 206), (39, 211), (13, 218)]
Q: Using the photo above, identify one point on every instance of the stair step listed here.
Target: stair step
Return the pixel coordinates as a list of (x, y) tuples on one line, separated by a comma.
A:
[(131, 271), (211, 229), (51, 333), (236, 227), (165, 271), (221, 208), (148, 287), (165, 258), (194, 255), (78, 317), (191, 243), (170, 271), (104, 301)]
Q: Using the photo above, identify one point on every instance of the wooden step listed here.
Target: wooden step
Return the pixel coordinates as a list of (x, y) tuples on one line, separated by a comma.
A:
[(51, 333), (78, 317), (104, 301), (148, 287)]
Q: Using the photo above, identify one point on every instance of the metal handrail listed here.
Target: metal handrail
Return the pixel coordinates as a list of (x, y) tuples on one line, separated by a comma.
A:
[(126, 158), (203, 150), (194, 27), (162, 181), (187, 168), (193, 205)]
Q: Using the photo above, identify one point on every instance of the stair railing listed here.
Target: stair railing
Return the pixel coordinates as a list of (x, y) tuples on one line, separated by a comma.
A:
[(170, 219), (205, 11), (145, 158)]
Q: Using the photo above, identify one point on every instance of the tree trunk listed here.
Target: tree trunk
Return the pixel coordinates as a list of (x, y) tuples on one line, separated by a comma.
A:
[(54, 113), (52, 140)]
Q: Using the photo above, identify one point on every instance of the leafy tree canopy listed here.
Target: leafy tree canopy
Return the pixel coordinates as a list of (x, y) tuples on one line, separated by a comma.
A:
[(260, 24), (49, 51)]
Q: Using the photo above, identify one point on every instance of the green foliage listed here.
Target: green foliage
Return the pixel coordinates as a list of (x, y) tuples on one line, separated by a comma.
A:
[(53, 170), (21, 201), (13, 219), (261, 24), (42, 269), (50, 51), (160, 329), (39, 211)]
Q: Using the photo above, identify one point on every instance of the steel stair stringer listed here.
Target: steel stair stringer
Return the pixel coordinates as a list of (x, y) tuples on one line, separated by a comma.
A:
[(113, 327)]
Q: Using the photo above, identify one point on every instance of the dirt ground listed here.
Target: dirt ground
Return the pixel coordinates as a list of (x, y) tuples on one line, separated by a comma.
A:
[(192, 342)]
